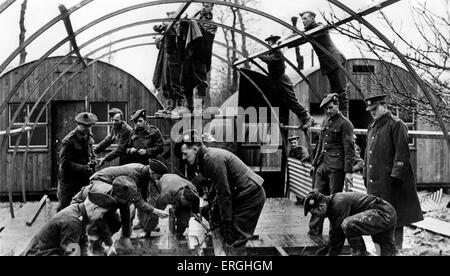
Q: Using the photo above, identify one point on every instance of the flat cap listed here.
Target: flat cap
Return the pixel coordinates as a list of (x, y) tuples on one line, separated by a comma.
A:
[(329, 98), (124, 188), (312, 200), (141, 113), (114, 111), (189, 136), (158, 167), (274, 38), (293, 137), (86, 118), (102, 200), (374, 101)]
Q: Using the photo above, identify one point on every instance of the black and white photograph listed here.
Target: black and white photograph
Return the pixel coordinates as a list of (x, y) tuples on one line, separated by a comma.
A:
[(247, 130)]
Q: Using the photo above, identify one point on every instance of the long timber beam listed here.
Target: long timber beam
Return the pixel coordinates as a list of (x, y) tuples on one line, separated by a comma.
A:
[(68, 24), (299, 40)]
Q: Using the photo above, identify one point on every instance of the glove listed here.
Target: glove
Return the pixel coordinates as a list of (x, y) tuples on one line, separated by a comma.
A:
[(228, 233)]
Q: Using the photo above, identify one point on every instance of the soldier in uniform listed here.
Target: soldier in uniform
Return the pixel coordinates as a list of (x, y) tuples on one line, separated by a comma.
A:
[(182, 194), (358, 162), (142, 176), (351, 216), (277, 72), (297, 152), (168, 68), (236, 193), (64, 234), (124, 190), (333, 160), (145, 140), (336, 77), (120, 134), (77, 159), (387, 169)]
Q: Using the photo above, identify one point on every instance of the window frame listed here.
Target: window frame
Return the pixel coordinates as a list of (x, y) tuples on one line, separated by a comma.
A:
[(410, 125), (108, 123), (16, 125)]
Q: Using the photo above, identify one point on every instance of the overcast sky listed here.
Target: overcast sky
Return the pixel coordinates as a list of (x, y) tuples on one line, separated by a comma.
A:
[(141, 61)]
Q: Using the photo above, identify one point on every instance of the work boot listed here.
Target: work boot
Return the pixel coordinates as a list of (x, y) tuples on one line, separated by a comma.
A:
[(179, 109), (170, 105)]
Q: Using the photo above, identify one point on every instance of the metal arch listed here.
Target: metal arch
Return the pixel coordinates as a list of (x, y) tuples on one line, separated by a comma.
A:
[(48, 102), (139, 6), (62, 74), (84, 45), (39, 32), (402, 58), (287, 25), (37, 63), (6, 4), (66, 57)]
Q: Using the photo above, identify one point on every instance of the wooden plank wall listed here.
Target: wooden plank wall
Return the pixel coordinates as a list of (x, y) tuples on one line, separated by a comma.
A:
[(100, 83)]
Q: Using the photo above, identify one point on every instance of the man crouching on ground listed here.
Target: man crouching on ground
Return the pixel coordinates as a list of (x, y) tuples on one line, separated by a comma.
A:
[(64, 234), (352, 215)]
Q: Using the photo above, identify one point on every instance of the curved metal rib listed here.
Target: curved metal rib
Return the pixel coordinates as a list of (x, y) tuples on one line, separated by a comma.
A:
[(404, 61)]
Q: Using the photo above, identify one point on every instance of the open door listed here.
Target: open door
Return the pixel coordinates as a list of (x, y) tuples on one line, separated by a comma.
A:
[(63, 122)]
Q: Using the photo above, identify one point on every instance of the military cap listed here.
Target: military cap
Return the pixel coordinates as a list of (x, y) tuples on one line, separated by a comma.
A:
[(329, 98), (114, 111), (293, 137), (374, 101), (158, 167), (102, 200), (86, 118), (274, 38), (312, 200), (125, 188), (193, 198), (313, 14), (141, 113), (189, 136)]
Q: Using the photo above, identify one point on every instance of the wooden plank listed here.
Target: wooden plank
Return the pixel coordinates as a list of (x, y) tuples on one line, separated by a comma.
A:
[(16, 131), (68, 24), (434, 225), (420, 134)]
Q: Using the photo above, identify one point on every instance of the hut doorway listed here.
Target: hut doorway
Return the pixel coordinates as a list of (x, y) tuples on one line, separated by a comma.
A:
[(62, 123)]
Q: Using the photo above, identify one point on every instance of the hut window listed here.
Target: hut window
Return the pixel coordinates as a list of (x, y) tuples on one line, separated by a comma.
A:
[(364, 69), (103, 128), (408, 118), (38, 137)]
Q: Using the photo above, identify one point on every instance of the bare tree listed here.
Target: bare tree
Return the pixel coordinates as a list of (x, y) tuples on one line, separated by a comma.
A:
[(23, 53), (428, 53), (227, 75)]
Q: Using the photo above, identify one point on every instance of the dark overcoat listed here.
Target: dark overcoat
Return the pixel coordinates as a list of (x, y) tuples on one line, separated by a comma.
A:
[(387, 169)]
